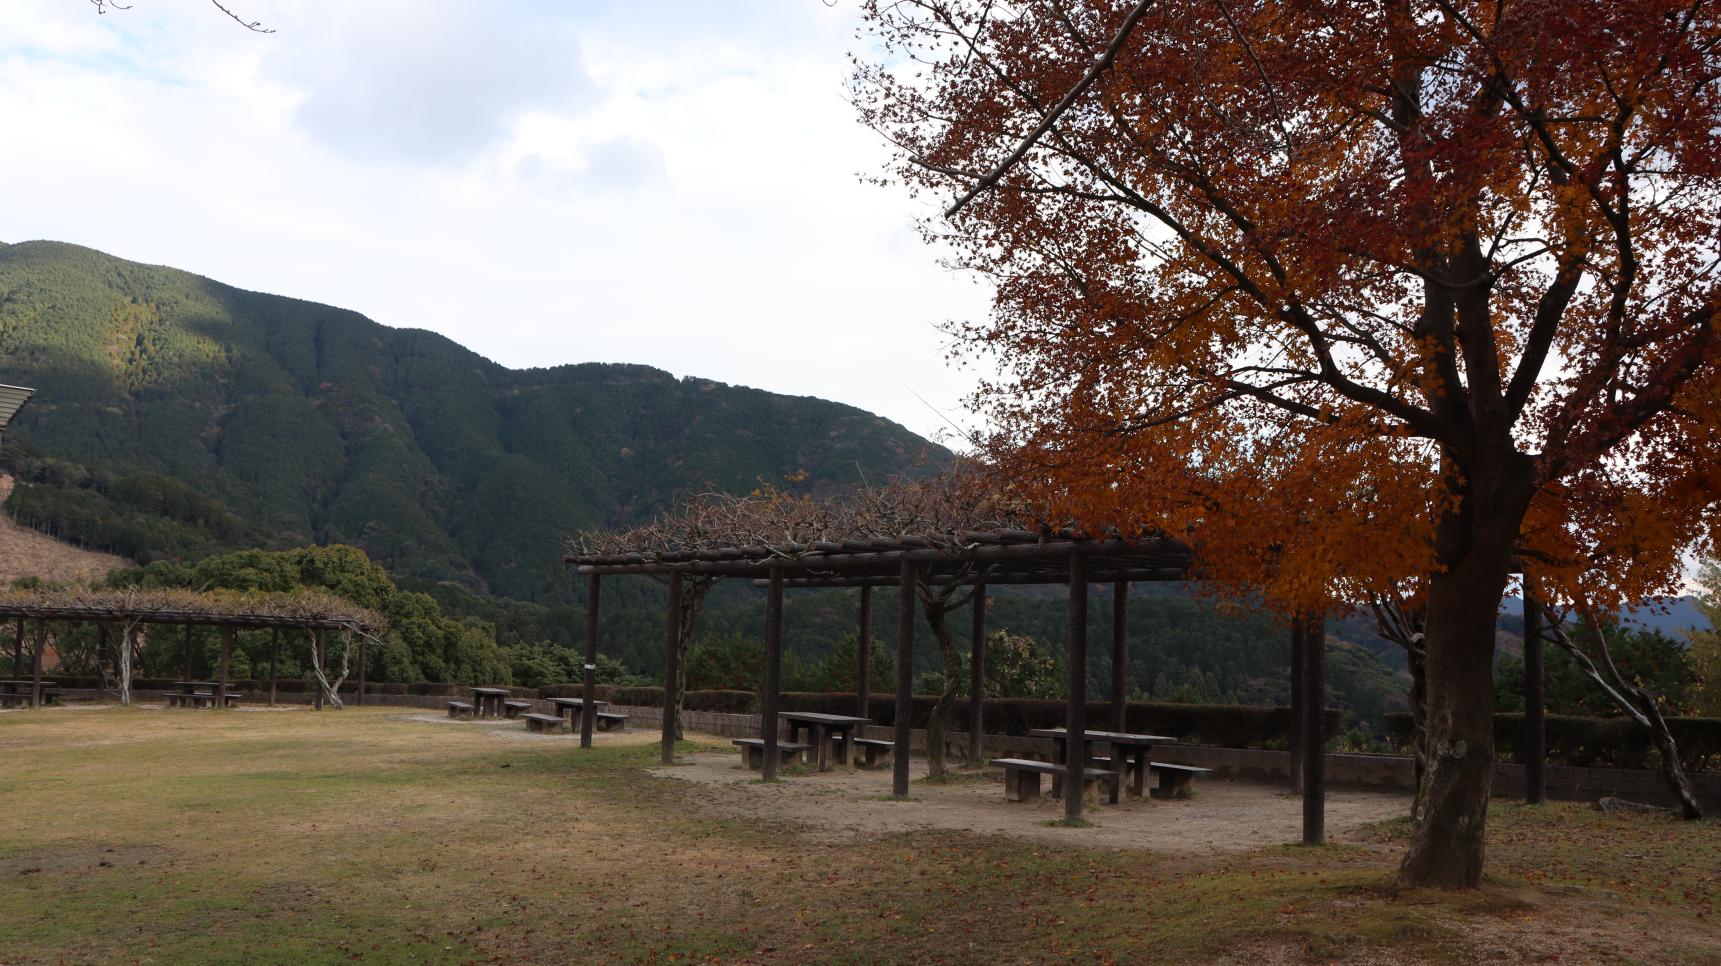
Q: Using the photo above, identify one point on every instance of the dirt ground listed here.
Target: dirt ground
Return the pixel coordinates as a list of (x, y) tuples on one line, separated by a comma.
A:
[(849, 804), (507, 730)]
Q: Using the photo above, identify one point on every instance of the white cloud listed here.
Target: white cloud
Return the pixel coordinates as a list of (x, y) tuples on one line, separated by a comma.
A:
[(661, 183)]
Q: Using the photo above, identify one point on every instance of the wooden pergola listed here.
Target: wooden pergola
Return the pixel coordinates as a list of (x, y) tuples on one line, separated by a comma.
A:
[(977, 558), (228, 618)]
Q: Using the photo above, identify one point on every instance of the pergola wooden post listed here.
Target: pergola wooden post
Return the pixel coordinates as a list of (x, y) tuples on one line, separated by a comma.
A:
[(1535, 749), (904, 681), (359, 699), (977, 672), (672, 666), (863, 668), (274, 661), (221, 682), (1076, 745), (18, 649), (36, 663), (589, 673), (1119, 653), (1313, 727), (773, 673), (101, 652), (187, 655)]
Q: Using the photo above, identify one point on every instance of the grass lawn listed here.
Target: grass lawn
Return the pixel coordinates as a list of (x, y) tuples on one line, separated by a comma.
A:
[(142, 834)]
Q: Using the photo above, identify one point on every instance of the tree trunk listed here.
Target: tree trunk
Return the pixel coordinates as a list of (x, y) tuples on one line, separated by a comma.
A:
[(693, 591), (1671, 768), (937, 722), (1447, 847)]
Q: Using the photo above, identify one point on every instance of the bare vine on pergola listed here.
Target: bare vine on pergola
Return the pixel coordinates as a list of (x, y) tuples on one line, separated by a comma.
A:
[(132, 607), (935, 512)]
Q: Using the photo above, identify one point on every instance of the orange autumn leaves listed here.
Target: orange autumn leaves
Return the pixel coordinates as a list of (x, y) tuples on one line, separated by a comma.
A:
[(1297, 279)]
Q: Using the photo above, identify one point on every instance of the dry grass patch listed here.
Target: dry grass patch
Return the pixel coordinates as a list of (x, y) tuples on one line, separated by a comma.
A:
[(300, 837)]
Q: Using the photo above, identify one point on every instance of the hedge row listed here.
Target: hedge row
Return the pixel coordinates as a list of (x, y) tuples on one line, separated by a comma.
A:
[(1231, 726), (1595, 742), (1226, 725), (292, 686)]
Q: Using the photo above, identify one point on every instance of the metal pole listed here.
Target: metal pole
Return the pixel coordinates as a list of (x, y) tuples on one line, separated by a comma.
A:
[(589, 674), (977, 673), (1076, 745), (671, 669), (773, 672), (359, 699), (863, 669), (1535, 704), (904, 681), (1314, 726), (1119, 652)]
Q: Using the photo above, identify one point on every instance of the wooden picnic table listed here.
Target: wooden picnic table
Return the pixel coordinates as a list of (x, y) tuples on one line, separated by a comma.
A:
[(1127, 751), (572, 708), (13, 693), (824, 729), (489, 701)]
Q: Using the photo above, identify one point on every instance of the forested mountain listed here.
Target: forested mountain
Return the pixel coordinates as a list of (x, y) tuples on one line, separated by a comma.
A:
[(177, 416)]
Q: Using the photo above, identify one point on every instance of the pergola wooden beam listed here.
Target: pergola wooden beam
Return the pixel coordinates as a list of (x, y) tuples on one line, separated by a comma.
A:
[(1098, 574)]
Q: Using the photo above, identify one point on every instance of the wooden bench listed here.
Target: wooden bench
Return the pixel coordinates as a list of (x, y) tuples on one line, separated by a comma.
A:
[(874, 752), (543, 722), (514, 709), (611, 721), (459, 709), (1022, 778), (753, 751), (1174, 780)]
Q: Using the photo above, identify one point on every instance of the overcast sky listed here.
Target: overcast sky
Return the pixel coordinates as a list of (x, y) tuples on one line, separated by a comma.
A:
[(666, 182)]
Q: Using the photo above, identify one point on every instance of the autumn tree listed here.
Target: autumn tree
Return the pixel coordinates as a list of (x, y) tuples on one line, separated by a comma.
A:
[(1352, 292)]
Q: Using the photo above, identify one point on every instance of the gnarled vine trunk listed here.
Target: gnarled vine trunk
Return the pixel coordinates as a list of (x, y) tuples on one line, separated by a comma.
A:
[(693, 591)]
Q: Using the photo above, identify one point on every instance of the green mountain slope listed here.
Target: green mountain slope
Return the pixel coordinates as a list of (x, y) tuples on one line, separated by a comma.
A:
[(178, 416)]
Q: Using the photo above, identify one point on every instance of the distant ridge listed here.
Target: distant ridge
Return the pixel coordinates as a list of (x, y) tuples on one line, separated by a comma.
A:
[(177, 416)]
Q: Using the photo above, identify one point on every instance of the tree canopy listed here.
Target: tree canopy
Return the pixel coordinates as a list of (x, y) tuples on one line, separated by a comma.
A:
[(1354, 293)]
